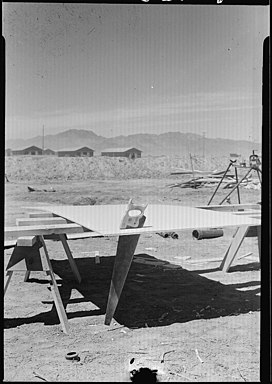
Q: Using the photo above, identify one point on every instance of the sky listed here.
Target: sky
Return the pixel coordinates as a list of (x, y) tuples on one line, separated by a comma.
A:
[(121, 69)]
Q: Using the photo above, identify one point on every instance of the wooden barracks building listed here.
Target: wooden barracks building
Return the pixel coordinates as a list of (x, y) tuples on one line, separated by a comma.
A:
[(130, 153), (84, 151), (33, 150)]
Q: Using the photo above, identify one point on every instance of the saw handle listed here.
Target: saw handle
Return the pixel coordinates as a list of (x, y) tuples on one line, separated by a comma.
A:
[(136, 207), (133, 221)]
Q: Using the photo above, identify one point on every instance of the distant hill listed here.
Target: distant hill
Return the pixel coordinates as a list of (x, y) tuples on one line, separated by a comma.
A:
[(170, 143)]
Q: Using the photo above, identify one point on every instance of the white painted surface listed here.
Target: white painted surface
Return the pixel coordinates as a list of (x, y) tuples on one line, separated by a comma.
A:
[(106, 219)]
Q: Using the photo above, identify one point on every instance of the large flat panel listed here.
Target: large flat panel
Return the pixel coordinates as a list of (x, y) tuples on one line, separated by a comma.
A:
[(106, 219)]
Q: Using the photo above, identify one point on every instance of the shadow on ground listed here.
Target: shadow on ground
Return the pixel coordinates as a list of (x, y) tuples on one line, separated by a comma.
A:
[(235, 268), (152, 296)]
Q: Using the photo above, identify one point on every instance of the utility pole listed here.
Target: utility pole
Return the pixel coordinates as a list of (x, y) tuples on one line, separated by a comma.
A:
[(203, 145), (43, 139), (193, 172)]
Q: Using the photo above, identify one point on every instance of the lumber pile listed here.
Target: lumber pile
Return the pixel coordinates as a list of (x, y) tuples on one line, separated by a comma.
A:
[(210, 180)]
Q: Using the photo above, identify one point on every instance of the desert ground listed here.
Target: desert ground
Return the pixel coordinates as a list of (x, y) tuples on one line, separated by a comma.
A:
[(184, 317)]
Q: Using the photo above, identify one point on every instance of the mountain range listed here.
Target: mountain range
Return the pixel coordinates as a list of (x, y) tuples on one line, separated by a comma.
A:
[(170, 143)]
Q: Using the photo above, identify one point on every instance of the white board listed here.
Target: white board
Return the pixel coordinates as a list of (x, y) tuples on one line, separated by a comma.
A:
[(106, 219)]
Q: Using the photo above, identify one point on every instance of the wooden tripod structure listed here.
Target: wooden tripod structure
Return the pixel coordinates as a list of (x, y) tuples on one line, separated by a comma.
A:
[(254, 166)]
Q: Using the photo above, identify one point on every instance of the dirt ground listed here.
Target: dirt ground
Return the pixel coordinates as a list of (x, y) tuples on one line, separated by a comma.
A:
[(189, 320)]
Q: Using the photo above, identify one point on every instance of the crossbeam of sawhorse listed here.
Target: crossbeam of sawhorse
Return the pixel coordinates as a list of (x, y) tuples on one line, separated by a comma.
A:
[(35, 258), (37, 220), (241, 232), (123, 259)]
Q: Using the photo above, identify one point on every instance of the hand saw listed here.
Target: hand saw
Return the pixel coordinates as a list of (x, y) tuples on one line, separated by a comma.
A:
[(133, 221)]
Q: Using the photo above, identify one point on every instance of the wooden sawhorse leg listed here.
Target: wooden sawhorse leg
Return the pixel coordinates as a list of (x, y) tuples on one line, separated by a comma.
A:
[(9, 276), (70, 257), (54, 287), (27, 274), (234, 247)]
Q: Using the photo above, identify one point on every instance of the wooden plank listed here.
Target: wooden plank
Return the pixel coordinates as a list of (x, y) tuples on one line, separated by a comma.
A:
[(231, 207), (74, 236), (50, 229), (26, 241), (39, 214), (248, 212), (203, 261), (10, 243), (245, 255), (84, 235), (41, 221)]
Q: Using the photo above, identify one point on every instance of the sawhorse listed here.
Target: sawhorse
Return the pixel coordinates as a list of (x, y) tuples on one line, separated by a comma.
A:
[(238, 237), (30, 252), (250, 210)]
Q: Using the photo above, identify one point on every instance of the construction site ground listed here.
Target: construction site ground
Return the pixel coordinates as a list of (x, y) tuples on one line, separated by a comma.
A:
[(187, 319)]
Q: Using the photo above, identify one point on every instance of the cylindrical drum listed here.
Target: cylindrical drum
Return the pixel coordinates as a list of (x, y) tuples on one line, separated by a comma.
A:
[(207, 233)]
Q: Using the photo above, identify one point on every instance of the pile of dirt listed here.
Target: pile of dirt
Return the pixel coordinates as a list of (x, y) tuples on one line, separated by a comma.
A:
[(45, 168)]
